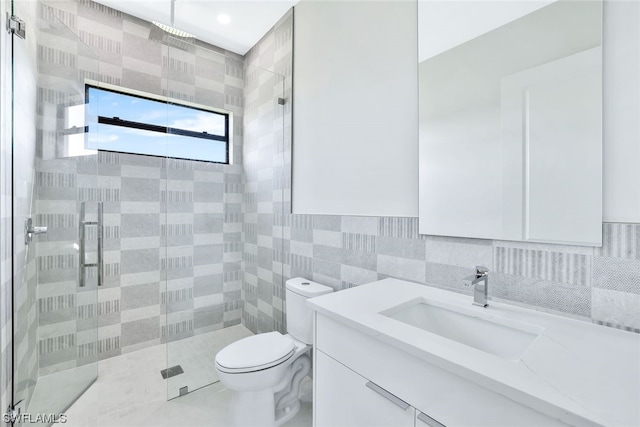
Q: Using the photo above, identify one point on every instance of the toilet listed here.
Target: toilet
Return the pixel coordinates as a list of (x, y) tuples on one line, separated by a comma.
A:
[(264, 371)]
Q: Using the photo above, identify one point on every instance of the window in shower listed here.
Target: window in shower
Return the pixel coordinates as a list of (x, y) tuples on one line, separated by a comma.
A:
[(139, 124)]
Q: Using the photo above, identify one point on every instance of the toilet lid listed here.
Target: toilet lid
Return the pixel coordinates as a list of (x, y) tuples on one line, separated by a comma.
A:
[(259, 351)]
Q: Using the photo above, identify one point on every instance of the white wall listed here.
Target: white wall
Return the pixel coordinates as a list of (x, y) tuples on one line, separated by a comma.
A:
[(621, 121), (355, 108)]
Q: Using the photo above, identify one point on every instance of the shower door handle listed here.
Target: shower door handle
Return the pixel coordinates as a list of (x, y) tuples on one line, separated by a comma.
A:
[(82, 245), (100, 244), (81, 249)]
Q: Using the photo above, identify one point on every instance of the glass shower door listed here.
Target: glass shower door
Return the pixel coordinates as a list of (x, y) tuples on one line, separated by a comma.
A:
[(212, 220), (57, 216)]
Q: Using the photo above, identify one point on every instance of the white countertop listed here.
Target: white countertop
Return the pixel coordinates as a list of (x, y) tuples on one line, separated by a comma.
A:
[(590, 372)]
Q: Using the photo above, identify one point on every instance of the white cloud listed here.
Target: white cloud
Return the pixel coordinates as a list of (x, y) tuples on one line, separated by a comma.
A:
[(151, 116), (213, 124), (102, 138)]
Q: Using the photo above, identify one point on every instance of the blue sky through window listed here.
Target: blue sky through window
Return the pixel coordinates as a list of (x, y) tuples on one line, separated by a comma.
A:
[(140, 110)]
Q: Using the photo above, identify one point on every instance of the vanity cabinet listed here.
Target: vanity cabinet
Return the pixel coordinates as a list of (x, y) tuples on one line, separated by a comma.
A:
[(360, 380)]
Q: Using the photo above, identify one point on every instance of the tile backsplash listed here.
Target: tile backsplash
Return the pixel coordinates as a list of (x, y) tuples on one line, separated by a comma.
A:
[(591, 283)]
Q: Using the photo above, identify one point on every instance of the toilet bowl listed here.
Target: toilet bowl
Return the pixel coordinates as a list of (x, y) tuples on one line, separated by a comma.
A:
[(265, 371), (259, 379)]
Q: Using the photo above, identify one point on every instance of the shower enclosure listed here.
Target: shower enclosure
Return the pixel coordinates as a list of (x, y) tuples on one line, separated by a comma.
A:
[(213, 299), (140, 250)]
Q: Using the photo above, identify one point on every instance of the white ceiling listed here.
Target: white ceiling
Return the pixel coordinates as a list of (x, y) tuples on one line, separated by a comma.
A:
[(250, 19)]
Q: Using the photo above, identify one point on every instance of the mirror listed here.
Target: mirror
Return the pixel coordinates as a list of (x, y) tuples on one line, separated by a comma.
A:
[(511, 120)]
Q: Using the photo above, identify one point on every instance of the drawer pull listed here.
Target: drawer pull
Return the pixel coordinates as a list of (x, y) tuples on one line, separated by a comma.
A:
[(429, 421), (390, 397)]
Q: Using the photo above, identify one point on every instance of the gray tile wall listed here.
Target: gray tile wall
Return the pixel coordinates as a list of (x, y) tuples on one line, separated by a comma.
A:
[(173, 246), (601, 285)]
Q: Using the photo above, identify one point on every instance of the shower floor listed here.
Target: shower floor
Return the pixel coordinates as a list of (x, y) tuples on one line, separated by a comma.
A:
[(130, 390)]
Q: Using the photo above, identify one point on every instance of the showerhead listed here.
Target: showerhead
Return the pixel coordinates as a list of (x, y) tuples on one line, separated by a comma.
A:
[(173, 31), (172, 37)]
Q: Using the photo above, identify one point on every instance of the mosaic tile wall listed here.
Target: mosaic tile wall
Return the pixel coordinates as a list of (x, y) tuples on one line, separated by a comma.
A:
[(597, 284), (173, 246)]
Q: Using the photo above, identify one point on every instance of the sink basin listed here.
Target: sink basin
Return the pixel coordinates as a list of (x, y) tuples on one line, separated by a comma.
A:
[(474, 327)]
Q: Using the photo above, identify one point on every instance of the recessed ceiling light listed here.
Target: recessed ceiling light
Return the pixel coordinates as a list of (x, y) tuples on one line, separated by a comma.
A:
[(224, 19)]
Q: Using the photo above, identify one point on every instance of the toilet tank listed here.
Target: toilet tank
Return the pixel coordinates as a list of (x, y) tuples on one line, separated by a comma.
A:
[(299, 315)]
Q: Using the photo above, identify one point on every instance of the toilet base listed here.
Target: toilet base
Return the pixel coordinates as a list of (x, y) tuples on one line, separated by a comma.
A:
[(284, 415), (252, 409), (261, 413)]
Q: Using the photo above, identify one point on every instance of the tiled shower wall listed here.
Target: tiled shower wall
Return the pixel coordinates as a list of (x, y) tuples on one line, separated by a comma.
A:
[(151, 294), (601, 284), (173, 244)]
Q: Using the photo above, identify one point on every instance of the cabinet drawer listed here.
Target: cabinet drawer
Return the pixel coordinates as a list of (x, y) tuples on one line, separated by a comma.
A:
[(343, 398)]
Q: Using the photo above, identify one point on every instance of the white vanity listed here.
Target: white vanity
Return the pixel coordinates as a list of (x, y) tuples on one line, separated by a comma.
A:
[(395, 353)]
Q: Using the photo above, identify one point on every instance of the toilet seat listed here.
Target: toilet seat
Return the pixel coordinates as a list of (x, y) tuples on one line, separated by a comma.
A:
[(255, 353)]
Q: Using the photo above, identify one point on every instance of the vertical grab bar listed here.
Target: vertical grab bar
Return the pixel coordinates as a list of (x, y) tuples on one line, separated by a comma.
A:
[(82, 264), (81, 250)]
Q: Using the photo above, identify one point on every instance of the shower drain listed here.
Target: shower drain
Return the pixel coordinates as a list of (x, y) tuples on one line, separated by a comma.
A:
[(171, 372)]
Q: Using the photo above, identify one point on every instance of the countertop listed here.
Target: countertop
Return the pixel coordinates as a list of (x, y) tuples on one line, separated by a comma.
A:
[(588, 373)]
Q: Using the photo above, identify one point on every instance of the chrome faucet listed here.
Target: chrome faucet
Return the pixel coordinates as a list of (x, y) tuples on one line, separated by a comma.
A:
[(480, 283)]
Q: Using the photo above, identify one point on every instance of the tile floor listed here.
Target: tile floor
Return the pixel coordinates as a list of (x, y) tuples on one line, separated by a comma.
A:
[(204, 407), (196, 356), (131, 392), (53, 393)]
